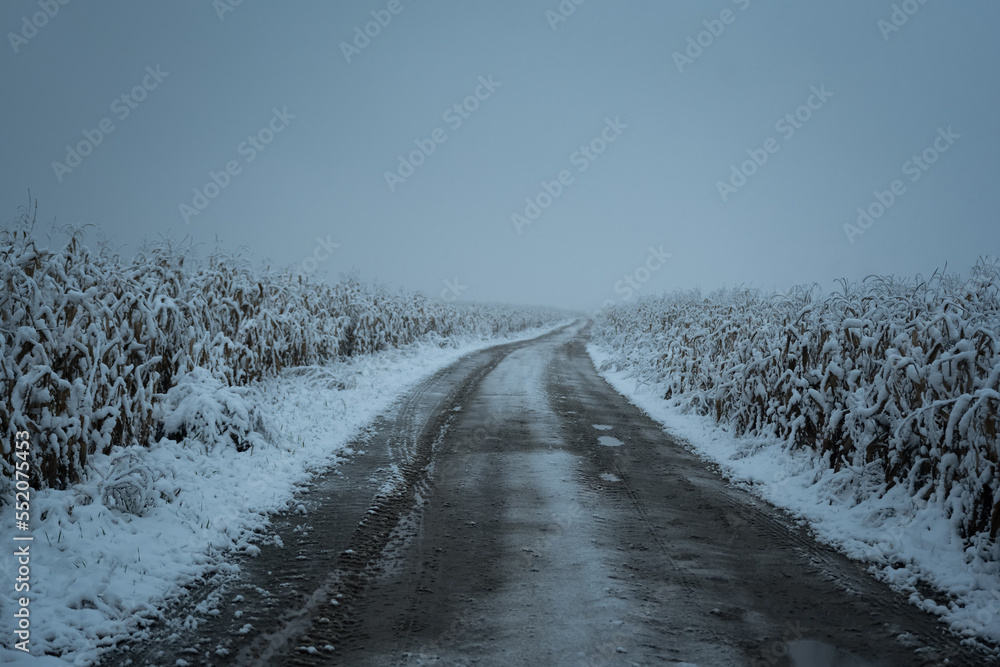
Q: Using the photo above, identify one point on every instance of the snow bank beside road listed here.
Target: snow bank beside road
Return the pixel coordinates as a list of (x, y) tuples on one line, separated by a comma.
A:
[(903, 540), (99, 575)]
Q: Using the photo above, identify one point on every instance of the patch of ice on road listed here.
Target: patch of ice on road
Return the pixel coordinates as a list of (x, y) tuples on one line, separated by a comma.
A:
[(573, 592), (608, 441), (608, 477), (602, 427)]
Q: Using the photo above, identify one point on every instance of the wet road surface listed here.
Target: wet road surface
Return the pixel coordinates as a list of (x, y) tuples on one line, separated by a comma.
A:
[(515, 510)]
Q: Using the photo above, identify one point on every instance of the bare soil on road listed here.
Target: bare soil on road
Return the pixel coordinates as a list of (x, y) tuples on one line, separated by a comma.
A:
[(515, 510)]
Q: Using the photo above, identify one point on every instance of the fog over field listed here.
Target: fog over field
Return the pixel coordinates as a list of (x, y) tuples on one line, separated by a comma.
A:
[(567, 154)]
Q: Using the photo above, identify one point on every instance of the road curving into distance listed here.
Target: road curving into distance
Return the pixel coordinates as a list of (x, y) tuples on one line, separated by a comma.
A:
[(514, 509)]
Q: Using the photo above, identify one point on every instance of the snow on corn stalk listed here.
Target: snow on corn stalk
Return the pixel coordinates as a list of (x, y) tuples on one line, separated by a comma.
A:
[(95, 348), (899, 376)]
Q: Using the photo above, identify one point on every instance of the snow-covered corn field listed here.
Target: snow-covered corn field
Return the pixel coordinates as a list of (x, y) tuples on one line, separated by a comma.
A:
[(91, 344), (896, 378)]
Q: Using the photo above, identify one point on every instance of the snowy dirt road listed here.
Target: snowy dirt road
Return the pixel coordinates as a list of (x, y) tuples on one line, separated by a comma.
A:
[(515, 510)]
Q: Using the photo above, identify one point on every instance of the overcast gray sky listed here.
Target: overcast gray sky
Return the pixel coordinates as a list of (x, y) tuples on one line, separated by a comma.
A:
[(737, 137)]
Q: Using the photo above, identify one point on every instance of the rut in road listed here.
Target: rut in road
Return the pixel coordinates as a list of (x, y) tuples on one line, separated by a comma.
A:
[(535, 517), (351, 511)]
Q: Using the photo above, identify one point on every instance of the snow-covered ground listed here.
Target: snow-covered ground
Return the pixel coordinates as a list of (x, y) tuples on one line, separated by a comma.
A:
[(901, 539), (99, 575)]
